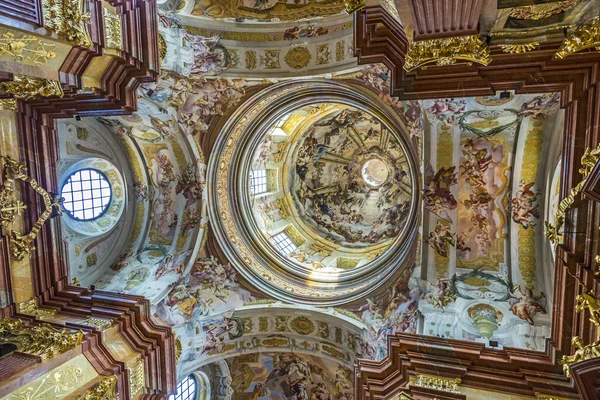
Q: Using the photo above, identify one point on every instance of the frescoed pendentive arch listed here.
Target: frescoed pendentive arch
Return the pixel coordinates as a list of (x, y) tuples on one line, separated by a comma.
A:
[(232, 216), (334, 334)]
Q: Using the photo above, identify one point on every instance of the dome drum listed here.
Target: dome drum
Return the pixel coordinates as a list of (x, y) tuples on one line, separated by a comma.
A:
[(345, 182)]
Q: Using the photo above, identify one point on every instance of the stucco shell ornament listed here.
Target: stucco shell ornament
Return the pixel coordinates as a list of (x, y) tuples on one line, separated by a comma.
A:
[(316, 188)]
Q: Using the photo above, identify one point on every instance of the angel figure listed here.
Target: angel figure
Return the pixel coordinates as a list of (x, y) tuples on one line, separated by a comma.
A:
[(439, 295), (371, 312), (525, 304), (441, 239), (437, 195)]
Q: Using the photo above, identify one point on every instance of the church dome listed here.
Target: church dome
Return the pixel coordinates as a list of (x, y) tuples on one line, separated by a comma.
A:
[(316, 192)]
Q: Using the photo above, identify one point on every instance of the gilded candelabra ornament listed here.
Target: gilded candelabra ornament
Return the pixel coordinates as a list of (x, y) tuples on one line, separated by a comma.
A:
[(42, 340), (447, 52), (588, 161), (353, 6), (136, 379), (26, 87), (450, 385), (586, 36), (22, 245), (26, 48), (112, 30), (519, 48), (581, 354), (105, 390), (68, 20)]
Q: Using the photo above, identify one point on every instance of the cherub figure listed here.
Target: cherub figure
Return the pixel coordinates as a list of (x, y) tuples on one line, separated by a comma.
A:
[(441, 239), (581, 354), (588, 300)]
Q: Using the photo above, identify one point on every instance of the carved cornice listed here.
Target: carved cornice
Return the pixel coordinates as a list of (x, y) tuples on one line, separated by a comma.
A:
[(510, 370)]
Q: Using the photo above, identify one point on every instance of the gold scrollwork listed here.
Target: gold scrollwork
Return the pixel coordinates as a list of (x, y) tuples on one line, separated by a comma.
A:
[(586, 36), (30, 307), (112, 30), (42, 340), (105, 390), (68, 20), (519, 48), (450, 385), (588, 161), (8, 104), (541, 11), (447, 52), (22, 245), (26, 48), (26, 87), (353, 6)]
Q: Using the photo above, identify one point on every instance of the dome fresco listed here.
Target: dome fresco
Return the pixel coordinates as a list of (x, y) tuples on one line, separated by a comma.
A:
[(342, 180), (325, 198)]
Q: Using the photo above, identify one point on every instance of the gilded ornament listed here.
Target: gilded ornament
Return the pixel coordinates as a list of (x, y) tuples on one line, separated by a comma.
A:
[(30, 307), (68, 20), (26, 87), (250, 59), (178, 349), (8, 104), (303, 326), (26, 48), (450, 385), (581, 354), (22, 245), (41, 340), (588, 161), (541, 396), (447, 52), (56, 384), (99, 323), (162, 47), (298, 57), (519, 48), (137, 379), (340, 51), (586, 36), (589, 301), (541, 11), (105, 390), (353, 6), (112, 30)]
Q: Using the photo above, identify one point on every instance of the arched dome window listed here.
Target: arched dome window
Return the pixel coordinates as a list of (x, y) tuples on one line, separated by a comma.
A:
[(87, 193), (186, 390)]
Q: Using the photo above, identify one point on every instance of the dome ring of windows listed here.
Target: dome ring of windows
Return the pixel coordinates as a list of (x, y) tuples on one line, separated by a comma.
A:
[(276, 256)]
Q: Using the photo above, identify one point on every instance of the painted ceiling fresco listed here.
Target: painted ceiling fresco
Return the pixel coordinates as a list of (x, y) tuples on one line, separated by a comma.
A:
[(481, 269), (350, 182), (281, 376), (338, 177), (283, 10)]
